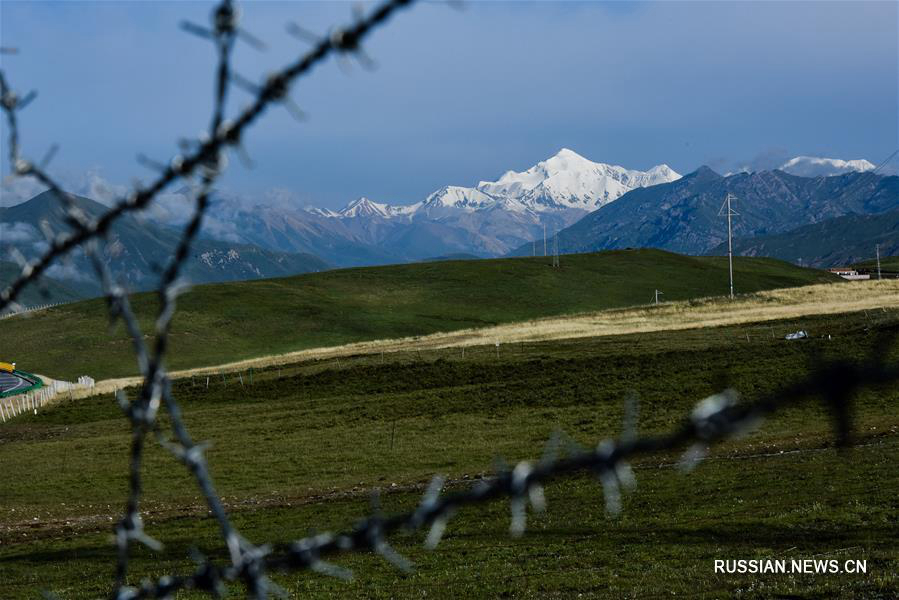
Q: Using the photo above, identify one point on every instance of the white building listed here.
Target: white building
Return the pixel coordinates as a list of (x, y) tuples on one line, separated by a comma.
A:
[(848, 273)]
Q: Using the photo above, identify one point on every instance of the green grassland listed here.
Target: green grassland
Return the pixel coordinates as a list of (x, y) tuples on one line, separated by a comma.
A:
[(221, 323), (300, 447), (887, 264)]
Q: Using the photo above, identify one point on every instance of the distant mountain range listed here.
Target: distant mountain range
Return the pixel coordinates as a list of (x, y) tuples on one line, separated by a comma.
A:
[(683, 216), (593, 205), (487, 220), (833, 242), (136, 250)]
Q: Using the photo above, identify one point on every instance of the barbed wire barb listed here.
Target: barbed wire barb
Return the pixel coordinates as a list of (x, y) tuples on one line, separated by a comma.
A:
[(200, 163)]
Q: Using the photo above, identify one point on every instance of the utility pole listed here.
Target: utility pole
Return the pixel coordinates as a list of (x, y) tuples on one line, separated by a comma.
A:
[(730, 244), (556, 249), (544, 239), (878, 260), (657, 296)]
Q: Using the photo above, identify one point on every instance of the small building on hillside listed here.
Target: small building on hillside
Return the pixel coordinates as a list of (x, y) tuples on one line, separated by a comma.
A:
[(849, 273)]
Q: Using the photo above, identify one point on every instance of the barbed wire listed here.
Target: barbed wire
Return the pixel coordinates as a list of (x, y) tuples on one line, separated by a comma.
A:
[(714, 419), (204, 160), (208, 148)]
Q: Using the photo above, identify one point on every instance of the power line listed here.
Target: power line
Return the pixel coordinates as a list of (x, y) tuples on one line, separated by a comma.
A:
[(556, 249), (877, 248), (730, 212)]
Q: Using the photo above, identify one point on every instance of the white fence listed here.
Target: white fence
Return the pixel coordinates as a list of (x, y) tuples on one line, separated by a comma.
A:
[(31, 401), (26, 309)]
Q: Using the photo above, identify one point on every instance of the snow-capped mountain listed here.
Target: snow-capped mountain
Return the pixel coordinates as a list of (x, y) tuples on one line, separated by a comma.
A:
[(451, 199), (560, 183), (495, 216), (813, 166), (486, 220), (568, 180), (363, 207)]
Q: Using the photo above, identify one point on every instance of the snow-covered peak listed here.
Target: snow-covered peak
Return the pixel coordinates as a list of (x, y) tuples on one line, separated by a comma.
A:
[(568, 180), (363, 207), (459, 197), (813, 166), (562, 182), (322, 212)]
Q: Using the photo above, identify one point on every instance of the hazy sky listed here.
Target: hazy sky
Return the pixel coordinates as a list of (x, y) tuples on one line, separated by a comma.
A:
[(464, 95)]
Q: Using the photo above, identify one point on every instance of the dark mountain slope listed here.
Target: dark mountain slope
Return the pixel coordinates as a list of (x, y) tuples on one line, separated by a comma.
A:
[(137, 250), (683, 215), (46, 291), (832, 242)]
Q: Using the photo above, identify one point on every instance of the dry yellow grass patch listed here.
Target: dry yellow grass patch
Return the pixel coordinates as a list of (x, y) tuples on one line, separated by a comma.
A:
[(707, 312)]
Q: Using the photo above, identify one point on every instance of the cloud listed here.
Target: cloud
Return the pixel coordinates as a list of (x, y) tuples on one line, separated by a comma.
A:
[(69, 272), (96, 187), (222, 220), (16, 190), (20, 239), (769, 159), (18, 233)]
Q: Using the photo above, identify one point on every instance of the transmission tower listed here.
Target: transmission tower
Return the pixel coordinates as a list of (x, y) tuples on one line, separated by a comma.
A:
[(730, 212)]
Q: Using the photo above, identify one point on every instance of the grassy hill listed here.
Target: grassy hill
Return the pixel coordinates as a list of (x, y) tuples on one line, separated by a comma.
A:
[(226, 322), (889, 266), (302, 446)]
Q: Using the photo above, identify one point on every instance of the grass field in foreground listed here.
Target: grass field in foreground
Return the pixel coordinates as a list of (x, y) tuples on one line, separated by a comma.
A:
[(301, 446), (222, 323)]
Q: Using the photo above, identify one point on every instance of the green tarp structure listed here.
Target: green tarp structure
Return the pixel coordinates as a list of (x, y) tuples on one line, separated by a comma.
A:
[(18, 382)]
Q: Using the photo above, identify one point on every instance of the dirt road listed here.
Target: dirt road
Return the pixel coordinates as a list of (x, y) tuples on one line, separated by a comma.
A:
[(710, 312)]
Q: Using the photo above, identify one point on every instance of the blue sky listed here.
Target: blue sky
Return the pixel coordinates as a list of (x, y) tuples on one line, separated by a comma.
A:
[(464, 95)]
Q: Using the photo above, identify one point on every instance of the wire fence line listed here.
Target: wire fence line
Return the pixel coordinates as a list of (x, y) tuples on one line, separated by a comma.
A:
[(714, 419)]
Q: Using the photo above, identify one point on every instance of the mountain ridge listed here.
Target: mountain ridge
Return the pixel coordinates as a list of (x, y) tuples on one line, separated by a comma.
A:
[(832, 242), (683, 216), (137, 249)]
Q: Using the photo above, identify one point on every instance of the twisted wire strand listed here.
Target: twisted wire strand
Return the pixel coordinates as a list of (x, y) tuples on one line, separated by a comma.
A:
[(226, 134), (714, 419)]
